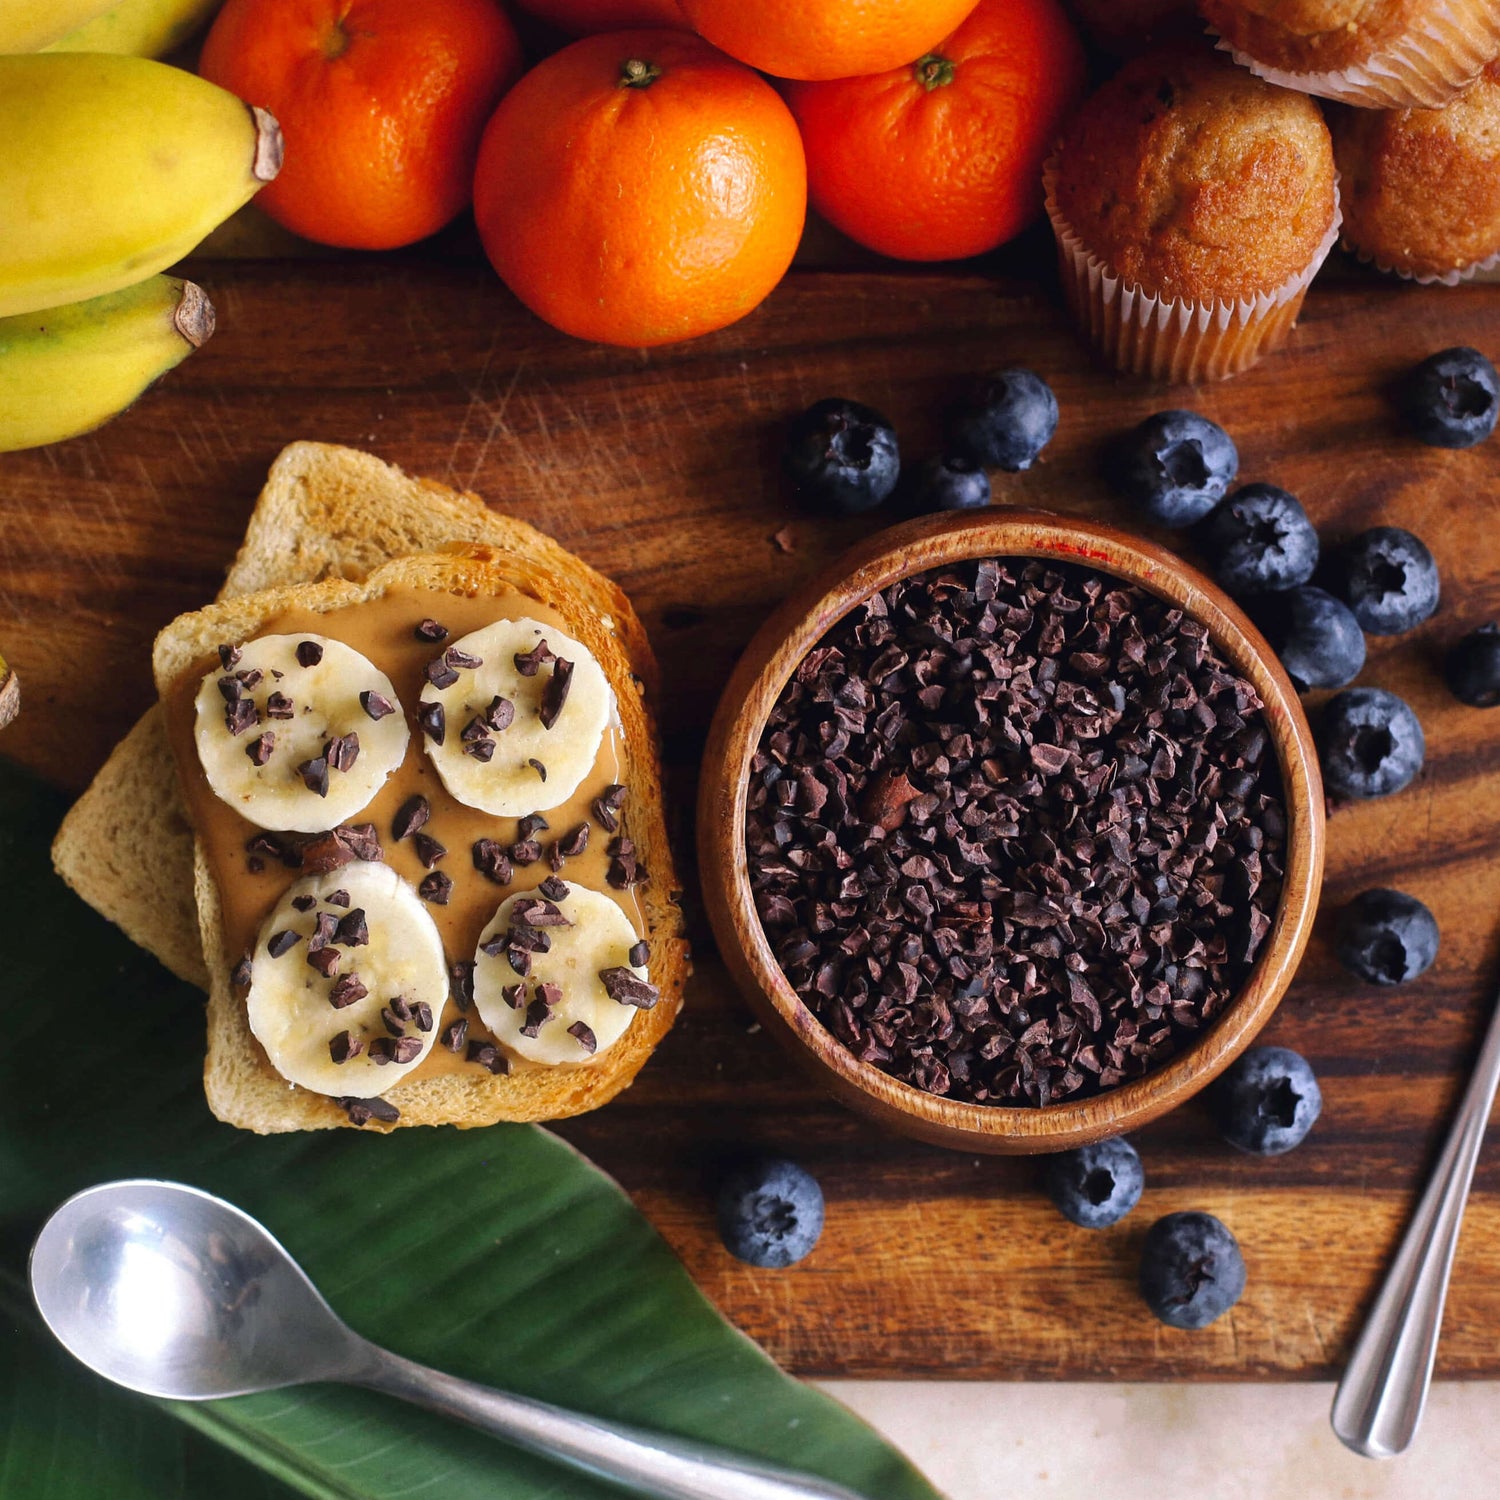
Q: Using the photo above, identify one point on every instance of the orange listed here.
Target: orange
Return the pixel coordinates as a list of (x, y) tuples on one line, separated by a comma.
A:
[(942, 158), (639, 187), (382, 103), (825, 38), (584, 17)]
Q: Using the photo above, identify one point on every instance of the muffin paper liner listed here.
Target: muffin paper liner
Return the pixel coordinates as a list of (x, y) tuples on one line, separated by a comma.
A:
[(1426, 278), (1169, 338), (1438, 58)]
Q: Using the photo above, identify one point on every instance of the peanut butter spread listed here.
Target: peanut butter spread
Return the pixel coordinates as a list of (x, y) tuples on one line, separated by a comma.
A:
[(463, 862)]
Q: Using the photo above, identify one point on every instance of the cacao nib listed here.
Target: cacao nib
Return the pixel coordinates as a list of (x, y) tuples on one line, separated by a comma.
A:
[(555, 694), (410, 816), (362, 1111), (428, 850), (488, 1056), (491, 860), (528, 663)]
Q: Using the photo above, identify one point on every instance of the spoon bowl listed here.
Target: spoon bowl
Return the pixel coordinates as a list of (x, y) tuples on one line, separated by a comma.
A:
[(172, 1292)]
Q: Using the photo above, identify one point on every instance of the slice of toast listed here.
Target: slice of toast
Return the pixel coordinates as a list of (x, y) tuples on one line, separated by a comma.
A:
[(127, 847)]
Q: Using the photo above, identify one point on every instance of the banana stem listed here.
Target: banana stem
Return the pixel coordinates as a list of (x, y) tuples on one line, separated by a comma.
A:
[(194, 318), (10, 694), (270, 148)]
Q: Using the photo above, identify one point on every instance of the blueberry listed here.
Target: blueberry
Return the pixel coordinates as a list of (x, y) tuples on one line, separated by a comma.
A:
[(842, 456), (949, 483), (1003, 422), (1191, 1270), (1386, 936), (1315, 635), (1452, 398), (1388, 579), (1176, 466), (1096, 1185), (1259, 540), (1473, 668), (1371, 743), (770, 1213), (1267, 1101)]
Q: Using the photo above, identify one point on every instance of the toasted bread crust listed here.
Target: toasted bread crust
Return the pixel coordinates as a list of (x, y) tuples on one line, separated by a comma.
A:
[(323, 521)]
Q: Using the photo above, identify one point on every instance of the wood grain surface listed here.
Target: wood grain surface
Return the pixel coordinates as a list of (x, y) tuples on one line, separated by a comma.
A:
[(660, 469)]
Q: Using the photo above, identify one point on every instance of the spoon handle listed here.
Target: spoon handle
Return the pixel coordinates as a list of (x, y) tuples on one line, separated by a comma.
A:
[(646, 1462), (1379, 1401)]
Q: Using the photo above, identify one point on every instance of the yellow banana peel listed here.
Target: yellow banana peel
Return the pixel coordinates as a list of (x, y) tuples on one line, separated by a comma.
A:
[(26, 25), (113, 169), (67, 370), (140, 28)]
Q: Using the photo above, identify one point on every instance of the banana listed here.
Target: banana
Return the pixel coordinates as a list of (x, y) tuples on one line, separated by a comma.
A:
[(66, 370), (573, 953), (297, 732), (139, 28), (26, 25), (513, 716), (359, 1019), (10, 694), (113, 168)]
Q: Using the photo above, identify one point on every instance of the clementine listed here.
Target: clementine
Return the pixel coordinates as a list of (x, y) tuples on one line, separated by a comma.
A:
[(584, 17), (942, 158), (825, 38), (639, 187), (382, 103)]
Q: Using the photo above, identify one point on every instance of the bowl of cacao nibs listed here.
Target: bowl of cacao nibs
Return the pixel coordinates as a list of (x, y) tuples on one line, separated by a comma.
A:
[(1011, 827)]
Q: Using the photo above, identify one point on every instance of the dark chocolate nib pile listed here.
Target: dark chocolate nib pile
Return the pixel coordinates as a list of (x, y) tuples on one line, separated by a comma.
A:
[(1015, 831)]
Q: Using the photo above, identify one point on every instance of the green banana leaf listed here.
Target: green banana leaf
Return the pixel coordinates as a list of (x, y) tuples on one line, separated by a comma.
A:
[(497, 1254)]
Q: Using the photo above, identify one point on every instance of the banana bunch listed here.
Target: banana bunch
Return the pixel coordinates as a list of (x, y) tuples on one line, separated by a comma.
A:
[(114, 168)]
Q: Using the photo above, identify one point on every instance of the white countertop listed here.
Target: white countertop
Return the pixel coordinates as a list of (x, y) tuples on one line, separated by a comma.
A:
[(979, 1441)]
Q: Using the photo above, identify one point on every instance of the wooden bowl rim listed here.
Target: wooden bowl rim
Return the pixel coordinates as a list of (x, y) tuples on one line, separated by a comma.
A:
[(763, 670)]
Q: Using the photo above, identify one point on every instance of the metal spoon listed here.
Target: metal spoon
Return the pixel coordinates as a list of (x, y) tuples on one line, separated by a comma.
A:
[(1379, 1401), (175, 1293)]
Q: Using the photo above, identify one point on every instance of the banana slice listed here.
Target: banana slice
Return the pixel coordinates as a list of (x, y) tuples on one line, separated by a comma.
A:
[(513, 716), (553, 978), (375, 998), (298, 732)]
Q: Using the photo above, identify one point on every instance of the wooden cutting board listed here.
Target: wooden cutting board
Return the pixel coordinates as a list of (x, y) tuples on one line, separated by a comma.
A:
[(660, 468)]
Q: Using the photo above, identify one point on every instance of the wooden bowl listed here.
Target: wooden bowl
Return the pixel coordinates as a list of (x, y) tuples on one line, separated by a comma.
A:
[(752, 691)]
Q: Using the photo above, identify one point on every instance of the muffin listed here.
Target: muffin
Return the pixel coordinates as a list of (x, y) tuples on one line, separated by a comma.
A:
[(1379, 54), (1192, 204), (1421, 187)]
